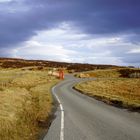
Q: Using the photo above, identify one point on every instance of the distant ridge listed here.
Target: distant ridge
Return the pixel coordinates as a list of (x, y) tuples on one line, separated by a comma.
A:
[(20, 63)]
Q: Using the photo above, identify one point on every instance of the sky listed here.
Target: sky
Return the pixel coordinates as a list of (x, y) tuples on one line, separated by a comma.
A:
[(83, 31)]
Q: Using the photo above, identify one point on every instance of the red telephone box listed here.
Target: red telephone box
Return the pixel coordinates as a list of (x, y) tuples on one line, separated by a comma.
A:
[(61, 74)]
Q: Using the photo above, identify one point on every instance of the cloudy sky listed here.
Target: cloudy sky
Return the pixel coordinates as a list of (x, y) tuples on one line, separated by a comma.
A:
[(86, 31)]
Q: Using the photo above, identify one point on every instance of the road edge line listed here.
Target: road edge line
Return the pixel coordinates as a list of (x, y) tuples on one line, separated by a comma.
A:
[(62, 115)]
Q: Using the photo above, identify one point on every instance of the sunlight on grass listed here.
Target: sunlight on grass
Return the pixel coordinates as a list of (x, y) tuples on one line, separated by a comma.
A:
[(113, 73), (124, 91), (25, 100)]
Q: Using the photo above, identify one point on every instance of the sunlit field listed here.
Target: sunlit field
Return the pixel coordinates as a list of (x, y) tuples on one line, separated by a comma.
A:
[(25, 102), (111, 73), (111, 88)]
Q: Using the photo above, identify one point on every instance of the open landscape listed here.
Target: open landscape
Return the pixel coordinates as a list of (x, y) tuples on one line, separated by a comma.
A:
[(69, 70), (26, 102)]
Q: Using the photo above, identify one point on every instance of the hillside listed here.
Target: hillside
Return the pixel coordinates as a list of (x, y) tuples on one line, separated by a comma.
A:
[(71, 67)]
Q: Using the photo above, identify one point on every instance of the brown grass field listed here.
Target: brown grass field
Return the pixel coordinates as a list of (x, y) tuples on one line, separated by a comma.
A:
[(111, 73), (25, 102), (112, 89)]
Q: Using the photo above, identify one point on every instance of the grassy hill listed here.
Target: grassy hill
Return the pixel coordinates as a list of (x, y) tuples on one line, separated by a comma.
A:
[(40, 64)]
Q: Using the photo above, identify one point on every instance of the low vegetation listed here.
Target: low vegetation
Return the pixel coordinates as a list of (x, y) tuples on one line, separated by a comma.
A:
[(130, 73), (40, 64), (108, 73), (25, 103), (112, 88), (111, 73)]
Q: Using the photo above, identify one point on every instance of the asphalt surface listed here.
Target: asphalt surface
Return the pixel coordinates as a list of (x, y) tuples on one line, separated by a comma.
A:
[(88, 119)]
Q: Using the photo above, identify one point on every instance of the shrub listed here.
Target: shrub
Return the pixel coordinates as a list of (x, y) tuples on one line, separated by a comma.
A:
[(130, 73)]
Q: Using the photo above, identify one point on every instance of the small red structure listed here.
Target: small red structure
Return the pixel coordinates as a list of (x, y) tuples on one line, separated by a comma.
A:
[(61, 74)]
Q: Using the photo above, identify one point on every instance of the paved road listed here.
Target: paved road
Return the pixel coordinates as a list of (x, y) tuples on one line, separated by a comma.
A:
[(88, 119)]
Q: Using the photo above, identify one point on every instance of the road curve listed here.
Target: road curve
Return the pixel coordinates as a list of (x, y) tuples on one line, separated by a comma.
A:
[(88, 119)]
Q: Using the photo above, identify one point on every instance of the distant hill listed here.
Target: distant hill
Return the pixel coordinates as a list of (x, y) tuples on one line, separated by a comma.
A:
[(76, 67)]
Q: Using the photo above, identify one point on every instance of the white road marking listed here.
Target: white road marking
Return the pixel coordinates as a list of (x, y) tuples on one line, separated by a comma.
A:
[(62, 116)]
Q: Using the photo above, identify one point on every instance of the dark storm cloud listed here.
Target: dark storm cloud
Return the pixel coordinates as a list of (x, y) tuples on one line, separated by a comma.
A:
[(92, 16)]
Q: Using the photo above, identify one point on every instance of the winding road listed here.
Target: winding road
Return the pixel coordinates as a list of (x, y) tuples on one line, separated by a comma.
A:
[(80, 117)]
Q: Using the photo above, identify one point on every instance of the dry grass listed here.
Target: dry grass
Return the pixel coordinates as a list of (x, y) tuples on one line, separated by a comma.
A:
[(108, 73), (123, 92), (25, 100)]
